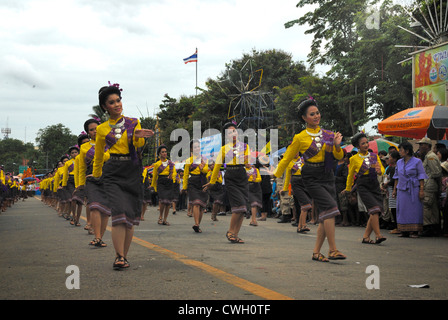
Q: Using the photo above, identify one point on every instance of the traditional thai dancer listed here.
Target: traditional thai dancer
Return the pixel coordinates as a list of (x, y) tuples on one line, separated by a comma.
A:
[(235, 155), (68, 184), (255, 196), (319, 148), (120, 177), (99, 214), (293, 176), (365, 166), (216, 192), (195, 173), (163, 176)]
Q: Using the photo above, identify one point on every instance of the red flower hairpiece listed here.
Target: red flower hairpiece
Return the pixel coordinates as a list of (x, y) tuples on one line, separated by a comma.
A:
[(115, 85)]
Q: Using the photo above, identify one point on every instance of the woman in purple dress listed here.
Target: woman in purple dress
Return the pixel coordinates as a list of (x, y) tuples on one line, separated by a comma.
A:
[(408, 190)]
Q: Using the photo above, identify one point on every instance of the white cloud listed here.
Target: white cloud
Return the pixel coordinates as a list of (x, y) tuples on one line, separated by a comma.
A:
[(55, 55)]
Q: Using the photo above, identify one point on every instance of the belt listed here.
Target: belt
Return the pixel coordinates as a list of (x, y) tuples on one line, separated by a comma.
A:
[(315, 164), (235, 167), (120, 157)]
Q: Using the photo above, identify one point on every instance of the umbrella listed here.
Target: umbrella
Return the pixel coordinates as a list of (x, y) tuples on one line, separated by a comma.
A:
[(417, 123), (375, 145)]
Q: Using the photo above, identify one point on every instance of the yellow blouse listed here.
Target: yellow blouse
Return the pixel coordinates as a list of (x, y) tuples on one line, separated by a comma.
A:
[(237, 159), (165, 172), (82, 166), (57, 179), (355, 164), (209, 175), (120, 147), (301, 143), (2, 177), (66, 173), (249, 172), (195, 171), (289, 173)]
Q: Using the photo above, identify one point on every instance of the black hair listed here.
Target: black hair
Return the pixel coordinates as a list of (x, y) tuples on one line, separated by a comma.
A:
[(228, 125), (303, 107), (193, 142), (356, 138), (81, 137), (88, 122), (160, 149), (63, 157), (382, 152), (407, 146), (105, 92), (73, 147), (394, 154), (444, 153)]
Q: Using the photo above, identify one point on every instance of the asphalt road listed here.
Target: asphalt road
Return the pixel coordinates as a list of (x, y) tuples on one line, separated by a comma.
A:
[(45, 258)]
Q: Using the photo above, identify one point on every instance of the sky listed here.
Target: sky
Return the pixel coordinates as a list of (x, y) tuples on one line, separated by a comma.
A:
[(55, 55)]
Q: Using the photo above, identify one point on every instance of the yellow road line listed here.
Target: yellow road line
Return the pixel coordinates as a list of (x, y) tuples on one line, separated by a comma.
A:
[(218, 273), (227, 277)]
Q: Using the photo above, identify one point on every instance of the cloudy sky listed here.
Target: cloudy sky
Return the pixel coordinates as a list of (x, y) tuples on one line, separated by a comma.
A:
[(55, 55)]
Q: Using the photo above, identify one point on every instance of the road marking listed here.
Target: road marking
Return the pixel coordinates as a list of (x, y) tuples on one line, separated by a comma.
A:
[(218, 273)]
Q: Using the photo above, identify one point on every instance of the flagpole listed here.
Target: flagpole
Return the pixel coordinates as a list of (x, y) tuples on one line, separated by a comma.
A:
[(197, 72)]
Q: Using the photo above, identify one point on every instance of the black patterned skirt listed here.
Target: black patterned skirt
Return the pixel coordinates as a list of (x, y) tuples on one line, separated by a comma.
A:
[(196, 195), (165, 189), (321, 188), (300, 193), (237, 188), (118, 192), (255, 195)]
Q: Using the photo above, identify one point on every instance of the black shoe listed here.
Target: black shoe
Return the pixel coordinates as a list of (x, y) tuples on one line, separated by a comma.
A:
[(284, 219)]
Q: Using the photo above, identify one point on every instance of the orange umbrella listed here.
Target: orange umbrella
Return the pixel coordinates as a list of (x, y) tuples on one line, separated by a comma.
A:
[(417, 123)]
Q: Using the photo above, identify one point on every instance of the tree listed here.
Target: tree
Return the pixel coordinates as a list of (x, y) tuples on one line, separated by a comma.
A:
[(365, 81), (14, 153), (53, 142)]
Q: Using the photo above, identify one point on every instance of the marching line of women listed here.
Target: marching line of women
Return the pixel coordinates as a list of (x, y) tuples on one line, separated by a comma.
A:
[(106, 175)]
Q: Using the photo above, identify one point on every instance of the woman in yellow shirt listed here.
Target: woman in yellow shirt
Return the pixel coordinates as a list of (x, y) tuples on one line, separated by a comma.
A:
[(255, 196), (195, 173), (216, 192), (234, 155), (163, 177), (62, 205), (120, 177), (293, 176), (365, 166), (319, 148), (68, 183)]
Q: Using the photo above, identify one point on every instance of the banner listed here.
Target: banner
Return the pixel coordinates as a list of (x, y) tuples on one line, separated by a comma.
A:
[(431, 67)]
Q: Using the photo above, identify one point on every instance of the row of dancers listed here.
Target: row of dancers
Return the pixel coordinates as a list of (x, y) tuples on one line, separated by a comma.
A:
[(105, 172)]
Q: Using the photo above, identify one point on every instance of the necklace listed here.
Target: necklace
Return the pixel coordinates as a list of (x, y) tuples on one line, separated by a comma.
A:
[(117, 128), (366, 158), (316, 137)]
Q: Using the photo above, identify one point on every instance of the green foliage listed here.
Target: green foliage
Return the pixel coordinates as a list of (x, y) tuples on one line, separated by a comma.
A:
[(53, 142)]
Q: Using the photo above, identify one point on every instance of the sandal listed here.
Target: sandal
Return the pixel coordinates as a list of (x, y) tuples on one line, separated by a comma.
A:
[(98, 243), (120, 263), (165, 223), (253, 224), (336, 255), (233, 238), (302, 230), (379, 240), (368, 241), (197, 229), (160, 221), (319, 257)]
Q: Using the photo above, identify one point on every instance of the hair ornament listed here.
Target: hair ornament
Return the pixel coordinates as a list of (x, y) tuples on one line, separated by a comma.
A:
[(116, 85)]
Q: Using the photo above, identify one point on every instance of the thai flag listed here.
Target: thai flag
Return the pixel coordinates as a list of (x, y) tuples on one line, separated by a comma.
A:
[(193, 58)]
